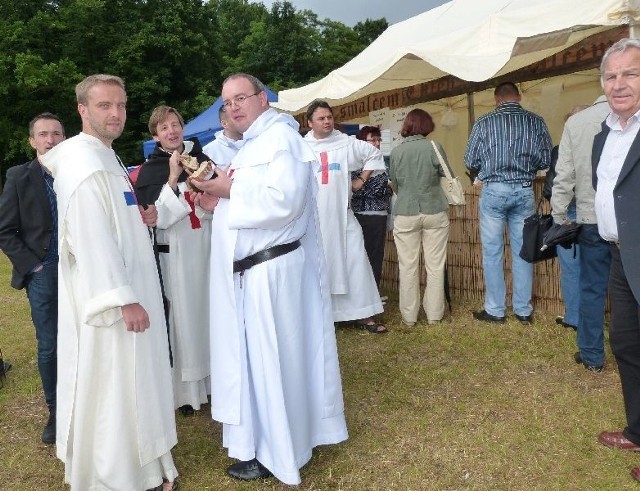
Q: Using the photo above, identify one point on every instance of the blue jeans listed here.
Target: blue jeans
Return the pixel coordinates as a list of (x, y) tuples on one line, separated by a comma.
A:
[(42, 292), (570, 275), (505, 204), (595, 264)]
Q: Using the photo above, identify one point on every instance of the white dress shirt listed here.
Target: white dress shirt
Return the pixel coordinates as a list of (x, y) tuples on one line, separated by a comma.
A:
[(614, 153)]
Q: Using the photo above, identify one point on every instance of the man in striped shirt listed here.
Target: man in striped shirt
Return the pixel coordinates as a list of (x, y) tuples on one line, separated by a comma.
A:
[(506, 149)]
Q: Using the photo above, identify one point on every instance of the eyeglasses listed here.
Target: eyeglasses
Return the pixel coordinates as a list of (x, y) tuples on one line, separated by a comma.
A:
[(236, 101), (374, 140)]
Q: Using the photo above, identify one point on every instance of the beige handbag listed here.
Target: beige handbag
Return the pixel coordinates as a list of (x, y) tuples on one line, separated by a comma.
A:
[(450, 184)]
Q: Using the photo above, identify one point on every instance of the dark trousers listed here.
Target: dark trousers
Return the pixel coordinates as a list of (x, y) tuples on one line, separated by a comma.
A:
[(42, 291), (374, 230), (624, 336), (595, 261)]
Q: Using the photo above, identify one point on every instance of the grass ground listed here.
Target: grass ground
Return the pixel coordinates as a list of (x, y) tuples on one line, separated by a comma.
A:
[(458, 406)]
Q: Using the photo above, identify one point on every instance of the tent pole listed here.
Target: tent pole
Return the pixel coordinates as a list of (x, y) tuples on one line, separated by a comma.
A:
[(471, 111)]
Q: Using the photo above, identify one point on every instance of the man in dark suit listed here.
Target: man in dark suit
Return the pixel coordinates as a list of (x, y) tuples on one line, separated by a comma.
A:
[(616, 178), (29, 238)]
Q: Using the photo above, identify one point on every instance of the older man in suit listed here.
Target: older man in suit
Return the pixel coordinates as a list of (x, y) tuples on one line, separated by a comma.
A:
[(616, 178), (28, 236)]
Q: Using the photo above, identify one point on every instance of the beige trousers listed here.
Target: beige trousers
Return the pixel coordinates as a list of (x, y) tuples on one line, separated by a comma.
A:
[(432, 231)]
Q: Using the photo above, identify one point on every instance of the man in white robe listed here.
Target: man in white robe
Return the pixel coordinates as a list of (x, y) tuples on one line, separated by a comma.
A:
[(183, 235), (227, 142), (354, 292), (115, 420), (275, 379)]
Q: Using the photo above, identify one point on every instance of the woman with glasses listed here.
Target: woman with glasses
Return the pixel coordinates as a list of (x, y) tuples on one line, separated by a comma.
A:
[(421, 218), (370, 206)]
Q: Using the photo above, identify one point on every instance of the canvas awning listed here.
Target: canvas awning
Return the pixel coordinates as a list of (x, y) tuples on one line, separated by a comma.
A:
[(469, 39)]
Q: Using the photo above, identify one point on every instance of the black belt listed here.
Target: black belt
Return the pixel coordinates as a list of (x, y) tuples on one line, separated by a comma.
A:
[(164, 248), (262, 256)]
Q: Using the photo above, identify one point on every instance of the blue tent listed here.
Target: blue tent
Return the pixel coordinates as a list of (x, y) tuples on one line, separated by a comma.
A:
[(203, 126)]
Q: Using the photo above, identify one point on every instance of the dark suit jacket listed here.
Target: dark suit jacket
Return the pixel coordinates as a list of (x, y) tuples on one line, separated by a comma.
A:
[(626, 199), (25, 220)]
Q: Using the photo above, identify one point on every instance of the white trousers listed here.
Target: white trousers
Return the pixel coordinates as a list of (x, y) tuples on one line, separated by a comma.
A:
[(409, 232)]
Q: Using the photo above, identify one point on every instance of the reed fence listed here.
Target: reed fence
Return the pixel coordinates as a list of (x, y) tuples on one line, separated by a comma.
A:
[(464, 260)]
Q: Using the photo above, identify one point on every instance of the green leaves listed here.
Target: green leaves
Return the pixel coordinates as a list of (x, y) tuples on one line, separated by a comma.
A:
[(168, 52)]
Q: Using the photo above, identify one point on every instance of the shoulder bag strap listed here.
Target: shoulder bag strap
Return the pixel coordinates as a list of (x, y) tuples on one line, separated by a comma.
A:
[(445, 167)]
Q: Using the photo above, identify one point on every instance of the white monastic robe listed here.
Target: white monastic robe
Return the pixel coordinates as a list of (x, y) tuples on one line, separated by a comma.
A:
[(223, 149), (115, 417), (354, 292), (275, 379), (185, 274)]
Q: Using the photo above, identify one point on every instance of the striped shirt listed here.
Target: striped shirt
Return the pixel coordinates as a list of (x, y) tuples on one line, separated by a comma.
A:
[(509, 144)]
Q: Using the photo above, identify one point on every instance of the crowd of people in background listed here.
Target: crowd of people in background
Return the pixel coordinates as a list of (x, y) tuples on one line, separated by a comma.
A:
[(158, 290)]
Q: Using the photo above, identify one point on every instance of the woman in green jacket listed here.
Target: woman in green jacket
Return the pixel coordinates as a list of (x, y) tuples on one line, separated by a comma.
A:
[(421, 218)]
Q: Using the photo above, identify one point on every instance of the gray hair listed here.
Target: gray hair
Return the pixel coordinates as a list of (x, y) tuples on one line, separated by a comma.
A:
[(82, 89), (618, 47)]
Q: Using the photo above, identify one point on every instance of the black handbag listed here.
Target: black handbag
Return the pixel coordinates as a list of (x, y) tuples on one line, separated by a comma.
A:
[(533, 232)]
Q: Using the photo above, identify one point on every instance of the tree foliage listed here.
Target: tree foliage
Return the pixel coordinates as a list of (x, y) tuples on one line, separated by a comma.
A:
[(168, 52), (369, 29)]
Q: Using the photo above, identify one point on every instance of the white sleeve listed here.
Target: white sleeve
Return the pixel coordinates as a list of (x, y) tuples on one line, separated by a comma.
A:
[(367, 156), (171, 208), (91, 236)]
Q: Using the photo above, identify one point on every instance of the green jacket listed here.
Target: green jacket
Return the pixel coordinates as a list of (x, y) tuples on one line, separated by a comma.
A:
[(415, 173)]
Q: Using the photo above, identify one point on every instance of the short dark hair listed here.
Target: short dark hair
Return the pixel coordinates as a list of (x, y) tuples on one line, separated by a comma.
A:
[(43, 116), (365, 131), (417, 122), (315, 105), (506, 89)]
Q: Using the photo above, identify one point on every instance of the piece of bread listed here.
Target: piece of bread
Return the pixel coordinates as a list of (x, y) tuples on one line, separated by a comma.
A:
[(189, 162), (204, 172)]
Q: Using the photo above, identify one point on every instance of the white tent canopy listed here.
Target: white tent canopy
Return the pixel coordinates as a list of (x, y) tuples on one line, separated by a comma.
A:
[(474, 40)]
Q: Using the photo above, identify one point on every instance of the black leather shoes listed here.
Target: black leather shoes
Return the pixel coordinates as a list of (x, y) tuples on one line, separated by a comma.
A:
[(591, 368), (49, 432), (560, 321), (525, 319), (187, 410), (483, 315), (248, 470)]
